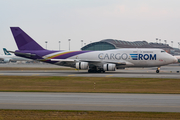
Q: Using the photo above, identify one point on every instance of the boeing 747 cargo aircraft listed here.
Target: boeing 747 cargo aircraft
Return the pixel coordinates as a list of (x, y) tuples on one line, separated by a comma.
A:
[(93, 61)]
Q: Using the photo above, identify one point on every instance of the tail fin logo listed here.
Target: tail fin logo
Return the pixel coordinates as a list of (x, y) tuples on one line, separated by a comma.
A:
[(6, 52)]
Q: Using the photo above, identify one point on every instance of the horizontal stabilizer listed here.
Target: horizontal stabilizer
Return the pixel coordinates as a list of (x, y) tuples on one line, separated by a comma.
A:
[(24, 54)]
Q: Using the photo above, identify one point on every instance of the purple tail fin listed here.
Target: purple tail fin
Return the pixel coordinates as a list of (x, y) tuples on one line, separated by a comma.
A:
[(23, 41)]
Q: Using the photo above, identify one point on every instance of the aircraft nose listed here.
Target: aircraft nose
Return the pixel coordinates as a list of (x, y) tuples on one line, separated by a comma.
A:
[(175, 59)]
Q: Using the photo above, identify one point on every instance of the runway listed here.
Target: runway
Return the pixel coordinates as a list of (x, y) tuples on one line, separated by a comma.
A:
[(165, 72), (83, 73), (90, 101), (93, 101)]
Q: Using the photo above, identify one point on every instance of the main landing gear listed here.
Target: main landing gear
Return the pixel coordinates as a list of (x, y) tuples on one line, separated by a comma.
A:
[(96, 71), (158, 69)]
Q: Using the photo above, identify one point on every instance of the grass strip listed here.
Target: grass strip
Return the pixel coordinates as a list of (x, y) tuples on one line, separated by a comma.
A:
[(84, 115), (89, 84)]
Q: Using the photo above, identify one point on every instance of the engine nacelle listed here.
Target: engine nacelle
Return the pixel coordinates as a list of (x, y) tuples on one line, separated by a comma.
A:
[(7, 60), (109, 67), (82, 65)]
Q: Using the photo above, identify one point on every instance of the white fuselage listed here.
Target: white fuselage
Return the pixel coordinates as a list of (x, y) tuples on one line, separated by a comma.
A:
[(8, 58), (145, 57), (132, 57)]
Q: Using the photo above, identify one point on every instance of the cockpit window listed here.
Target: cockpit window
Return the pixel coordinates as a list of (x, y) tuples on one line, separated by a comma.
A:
[(162, 51)]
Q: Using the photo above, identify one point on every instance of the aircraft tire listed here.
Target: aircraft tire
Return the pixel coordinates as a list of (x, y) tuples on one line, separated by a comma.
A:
[(92, 71), (95, 71), (89, 71), (157, 71)]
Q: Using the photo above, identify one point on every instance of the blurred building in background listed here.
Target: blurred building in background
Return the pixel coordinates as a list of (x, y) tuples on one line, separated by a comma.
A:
[(108, 44)]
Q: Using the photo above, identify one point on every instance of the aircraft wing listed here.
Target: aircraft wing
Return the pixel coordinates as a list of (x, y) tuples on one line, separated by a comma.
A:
[(93, 62), (114, 62), (64, 62)]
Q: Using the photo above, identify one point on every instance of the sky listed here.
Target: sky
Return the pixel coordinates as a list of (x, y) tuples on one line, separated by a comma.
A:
[(90, 21)]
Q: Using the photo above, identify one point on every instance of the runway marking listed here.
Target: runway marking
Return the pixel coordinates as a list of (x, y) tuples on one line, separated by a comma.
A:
[(35, 74), (109, 75), (72, 75)]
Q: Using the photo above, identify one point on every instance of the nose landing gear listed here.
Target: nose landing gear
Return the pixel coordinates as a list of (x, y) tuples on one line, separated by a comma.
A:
[(158, 69)]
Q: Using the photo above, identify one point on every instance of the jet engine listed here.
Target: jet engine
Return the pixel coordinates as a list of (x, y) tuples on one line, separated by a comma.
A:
[(109, 67), (82, 65), (7, 60)]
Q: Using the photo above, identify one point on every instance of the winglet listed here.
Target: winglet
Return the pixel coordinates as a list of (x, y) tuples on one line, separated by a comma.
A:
[(24, 41)]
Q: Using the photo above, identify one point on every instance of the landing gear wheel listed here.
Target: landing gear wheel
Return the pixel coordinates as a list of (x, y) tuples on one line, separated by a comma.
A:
[(157, 71), (95, 71), (90, 71), (101, 71)]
